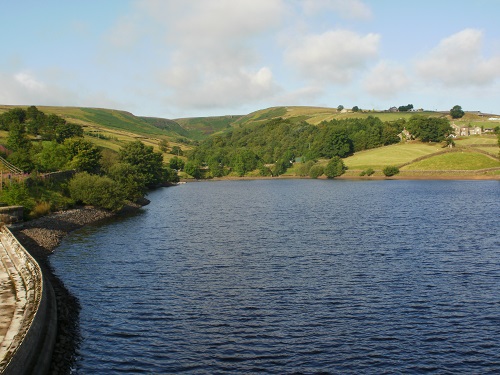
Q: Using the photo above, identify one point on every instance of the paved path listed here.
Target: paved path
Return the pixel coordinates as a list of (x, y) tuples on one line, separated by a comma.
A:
[(19, 296), (8, 303)]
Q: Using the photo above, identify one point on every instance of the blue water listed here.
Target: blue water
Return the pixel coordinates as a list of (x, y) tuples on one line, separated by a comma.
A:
[(293, 276)]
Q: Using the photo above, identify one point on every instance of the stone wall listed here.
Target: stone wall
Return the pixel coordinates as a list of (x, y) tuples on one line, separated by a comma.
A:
[(28, 344), (11, 214)]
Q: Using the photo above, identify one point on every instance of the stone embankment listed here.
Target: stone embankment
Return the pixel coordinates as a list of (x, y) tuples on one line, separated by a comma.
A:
[(28, 318)]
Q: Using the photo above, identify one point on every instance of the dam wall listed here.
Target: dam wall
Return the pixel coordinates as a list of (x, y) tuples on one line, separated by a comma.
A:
[(28, 319)]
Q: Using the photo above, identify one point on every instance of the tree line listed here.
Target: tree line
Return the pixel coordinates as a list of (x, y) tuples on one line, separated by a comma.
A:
[(273, 147)]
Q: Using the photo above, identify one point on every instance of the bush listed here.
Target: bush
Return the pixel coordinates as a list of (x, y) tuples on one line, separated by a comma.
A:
[(304, 168), (316, 171), (367, 172), (335, 167), (390, 171), (40, 209), (96, 191), (18, 194)]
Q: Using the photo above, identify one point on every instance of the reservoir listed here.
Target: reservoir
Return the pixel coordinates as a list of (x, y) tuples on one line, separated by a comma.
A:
[(292, 276)]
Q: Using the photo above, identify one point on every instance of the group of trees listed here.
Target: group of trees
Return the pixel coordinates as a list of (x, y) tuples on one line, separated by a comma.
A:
[(405, 108), (429, 129), (272, 147), (354, 109), (46, 143), (40, 143)]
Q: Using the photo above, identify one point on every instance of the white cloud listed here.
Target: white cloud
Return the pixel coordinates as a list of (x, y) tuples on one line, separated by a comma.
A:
[(353, 9), (25, 88), (233, 89), (334, 56), (210, 52), (458, 61), (28, 81), (386, 80)]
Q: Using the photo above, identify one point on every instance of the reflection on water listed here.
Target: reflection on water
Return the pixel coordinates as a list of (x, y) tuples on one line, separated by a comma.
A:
[(282, 276)]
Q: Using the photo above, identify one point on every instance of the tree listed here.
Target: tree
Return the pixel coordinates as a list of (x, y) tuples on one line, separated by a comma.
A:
[(340, 108), (176, 163), (405, 108), (390, 171), (335, 167), (96, 191), (456, 112), (83, 155), (67, 130), (176, 150), (51, 157), (163, 145), (52, 122), (429, 129), (355, 108), (316, 171), (13, 115), (148, 162), (132, 183), (192, 169), (17, 140)]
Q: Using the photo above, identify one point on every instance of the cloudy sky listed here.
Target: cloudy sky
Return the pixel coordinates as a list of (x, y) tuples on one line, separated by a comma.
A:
[(184, 58)]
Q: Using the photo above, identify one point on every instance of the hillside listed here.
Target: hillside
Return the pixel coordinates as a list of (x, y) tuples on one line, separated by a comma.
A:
[(113, 128)]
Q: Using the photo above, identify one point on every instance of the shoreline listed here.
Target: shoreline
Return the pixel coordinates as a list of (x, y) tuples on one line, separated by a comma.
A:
[(40, 237), (428, 177)]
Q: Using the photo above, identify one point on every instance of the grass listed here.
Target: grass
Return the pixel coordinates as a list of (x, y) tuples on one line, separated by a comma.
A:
[(455, 161), (477, 140), (397, 154)]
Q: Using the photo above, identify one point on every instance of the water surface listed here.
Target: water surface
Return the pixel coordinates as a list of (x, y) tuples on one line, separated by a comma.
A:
[(284, 276)]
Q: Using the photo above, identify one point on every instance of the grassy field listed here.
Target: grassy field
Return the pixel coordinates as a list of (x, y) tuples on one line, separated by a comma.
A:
[(455, 161), (397, 154)]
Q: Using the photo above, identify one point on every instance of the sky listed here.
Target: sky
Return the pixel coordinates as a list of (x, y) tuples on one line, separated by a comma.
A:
[(188, 58)]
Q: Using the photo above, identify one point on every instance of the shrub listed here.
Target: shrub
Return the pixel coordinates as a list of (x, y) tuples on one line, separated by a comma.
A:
[(367, 172), (390, 171), (335, 167), (304, 168), (40, 209), (96, 191), (316, 171), (18, 194)]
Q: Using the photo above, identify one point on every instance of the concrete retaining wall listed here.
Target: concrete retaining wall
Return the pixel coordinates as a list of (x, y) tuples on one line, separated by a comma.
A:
[(27, 347), (11, 214)]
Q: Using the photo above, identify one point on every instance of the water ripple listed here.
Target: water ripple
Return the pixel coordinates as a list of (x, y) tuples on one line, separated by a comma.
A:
[(293, 277)]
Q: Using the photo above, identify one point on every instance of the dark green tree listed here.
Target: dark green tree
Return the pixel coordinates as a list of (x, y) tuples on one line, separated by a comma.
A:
[(13, 115), (67, 130), (405, 108), (355, 108), (17, 140), (83, 155), (316, 171), (51, 157), (456, 112), (192, 169), (429, 129), (390, 170), (335, 167), (99, 191), (176, 163), (132, 183), (148, 162), (340, 108)]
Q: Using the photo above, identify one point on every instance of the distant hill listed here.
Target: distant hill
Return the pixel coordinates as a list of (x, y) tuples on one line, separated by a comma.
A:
[(199, 128)]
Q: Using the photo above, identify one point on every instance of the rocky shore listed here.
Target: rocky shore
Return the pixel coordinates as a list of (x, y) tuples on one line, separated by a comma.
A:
[(40, 237)]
